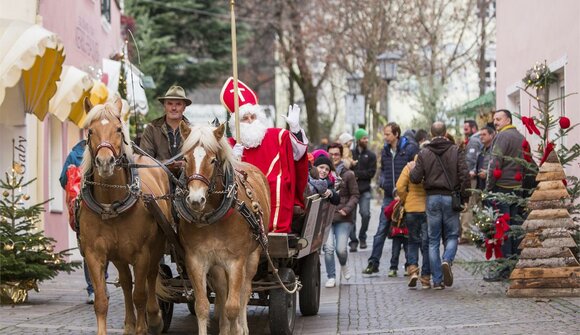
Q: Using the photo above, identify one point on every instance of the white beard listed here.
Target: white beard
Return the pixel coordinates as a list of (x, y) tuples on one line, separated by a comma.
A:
[(252, 134)]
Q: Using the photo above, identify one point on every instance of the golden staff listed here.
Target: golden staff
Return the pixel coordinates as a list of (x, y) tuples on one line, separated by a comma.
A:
[(235, 70)]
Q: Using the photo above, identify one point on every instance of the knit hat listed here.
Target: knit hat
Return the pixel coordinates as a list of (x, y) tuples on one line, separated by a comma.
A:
[(360, 133), (323, 160), (319, 152), (344, 138)]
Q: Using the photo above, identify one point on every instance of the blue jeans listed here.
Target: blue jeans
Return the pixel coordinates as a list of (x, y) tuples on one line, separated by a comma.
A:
[(338, 237), (365, 213), (418, 239), (510, 245), (90, 288), (381, 235), (443, 222), (399, 243)]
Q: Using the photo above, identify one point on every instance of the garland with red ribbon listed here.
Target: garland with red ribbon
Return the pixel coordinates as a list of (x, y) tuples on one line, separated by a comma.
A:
[(493, 245)]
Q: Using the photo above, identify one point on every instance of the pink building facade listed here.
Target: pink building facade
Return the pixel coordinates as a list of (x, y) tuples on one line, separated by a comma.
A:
[(530, 31), (89, 33)]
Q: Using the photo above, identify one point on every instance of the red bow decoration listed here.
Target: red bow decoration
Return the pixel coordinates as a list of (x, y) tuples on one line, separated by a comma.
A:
[(530, 125), (493, 246), (549, 148), (526, 149), (564, 122)]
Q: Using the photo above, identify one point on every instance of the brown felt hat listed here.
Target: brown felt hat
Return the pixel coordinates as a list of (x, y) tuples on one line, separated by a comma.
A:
[(176, 93)]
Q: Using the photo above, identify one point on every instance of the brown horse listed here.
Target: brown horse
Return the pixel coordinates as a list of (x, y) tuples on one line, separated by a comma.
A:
[(226, 248), (114, 223)]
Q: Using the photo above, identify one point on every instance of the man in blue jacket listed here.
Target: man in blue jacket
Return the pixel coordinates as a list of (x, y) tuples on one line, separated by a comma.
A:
[(397, 152)]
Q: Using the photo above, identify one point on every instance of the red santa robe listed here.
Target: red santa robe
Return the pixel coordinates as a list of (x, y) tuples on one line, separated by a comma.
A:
[(282, 158)]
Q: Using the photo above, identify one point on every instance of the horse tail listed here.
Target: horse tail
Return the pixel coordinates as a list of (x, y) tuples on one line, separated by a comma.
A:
[(163, 291)]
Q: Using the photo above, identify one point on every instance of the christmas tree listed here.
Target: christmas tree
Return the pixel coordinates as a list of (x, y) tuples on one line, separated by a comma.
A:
[(548, 132), (27, 256)]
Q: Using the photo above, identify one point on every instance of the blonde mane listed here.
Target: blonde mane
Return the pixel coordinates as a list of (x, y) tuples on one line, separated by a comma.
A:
[(204, 136), (106, 111)]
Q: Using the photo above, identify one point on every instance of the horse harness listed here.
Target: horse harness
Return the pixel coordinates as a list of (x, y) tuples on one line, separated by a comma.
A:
[(230, 201)]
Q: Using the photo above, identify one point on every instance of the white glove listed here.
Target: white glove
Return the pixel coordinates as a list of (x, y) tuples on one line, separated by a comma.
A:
[(293, 118), (238, 150)]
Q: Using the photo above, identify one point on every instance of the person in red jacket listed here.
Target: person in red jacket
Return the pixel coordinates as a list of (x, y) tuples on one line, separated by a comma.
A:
[(280, 154)]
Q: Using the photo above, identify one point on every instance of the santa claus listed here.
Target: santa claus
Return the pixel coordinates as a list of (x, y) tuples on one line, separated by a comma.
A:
[(280, 154)]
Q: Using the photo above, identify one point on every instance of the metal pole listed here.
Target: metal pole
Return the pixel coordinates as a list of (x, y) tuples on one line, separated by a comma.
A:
[(235, 70)]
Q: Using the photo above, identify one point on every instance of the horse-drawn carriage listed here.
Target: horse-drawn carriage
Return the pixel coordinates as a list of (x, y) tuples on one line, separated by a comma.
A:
[(220, 242), (294, 256)]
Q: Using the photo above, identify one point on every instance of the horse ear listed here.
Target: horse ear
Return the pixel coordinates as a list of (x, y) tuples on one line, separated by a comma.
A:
[(118, 104), (219, 131), (184, 130), (87, 104)]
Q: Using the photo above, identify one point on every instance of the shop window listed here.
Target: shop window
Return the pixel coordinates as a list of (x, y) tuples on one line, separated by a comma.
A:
[(106, 10)]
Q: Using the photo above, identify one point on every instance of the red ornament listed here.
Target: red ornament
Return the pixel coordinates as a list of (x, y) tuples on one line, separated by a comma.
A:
[(496, 173), (564, 122), (518, 176), (527, 150)]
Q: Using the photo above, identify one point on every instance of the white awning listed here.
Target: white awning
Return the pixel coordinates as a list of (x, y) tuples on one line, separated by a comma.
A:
[(74, 86), (135, 92)]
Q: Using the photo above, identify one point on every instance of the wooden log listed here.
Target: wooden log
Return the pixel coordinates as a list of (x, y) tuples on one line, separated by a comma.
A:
[(564, 272), (550, 185), (548, 214), (547, 262), (552, 252), (549, 195), (567, 242), (532, 225), (546, 204), (543, 292), (545, 283), (554, 233), (543, 176), (551, 167), (530, 242)]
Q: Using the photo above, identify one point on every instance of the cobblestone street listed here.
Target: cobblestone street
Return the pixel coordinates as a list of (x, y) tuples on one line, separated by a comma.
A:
[(377, 305)]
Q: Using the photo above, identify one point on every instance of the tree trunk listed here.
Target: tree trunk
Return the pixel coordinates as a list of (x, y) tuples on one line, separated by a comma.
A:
[(548, 214), (311, 102), (547, 204), (532, 225), (567, 272), (552, 252), (547, 262)]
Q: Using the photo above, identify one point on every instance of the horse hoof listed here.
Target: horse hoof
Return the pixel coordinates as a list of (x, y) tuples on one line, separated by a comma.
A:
[(156, 329)]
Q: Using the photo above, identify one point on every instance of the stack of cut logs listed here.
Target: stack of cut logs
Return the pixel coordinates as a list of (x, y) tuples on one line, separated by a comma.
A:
[(548, 265)]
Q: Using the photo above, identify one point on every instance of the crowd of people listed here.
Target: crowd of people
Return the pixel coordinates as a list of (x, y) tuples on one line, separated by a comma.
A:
[(425, 179)]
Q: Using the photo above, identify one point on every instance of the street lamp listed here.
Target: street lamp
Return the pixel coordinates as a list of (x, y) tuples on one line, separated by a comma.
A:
[(353, 83), (388, 72)]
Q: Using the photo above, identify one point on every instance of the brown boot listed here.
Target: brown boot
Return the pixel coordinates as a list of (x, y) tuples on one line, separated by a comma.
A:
[(425, 282), (413, 272)]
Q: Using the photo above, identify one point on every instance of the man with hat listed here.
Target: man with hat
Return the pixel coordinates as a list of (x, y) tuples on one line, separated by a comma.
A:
[(280, 154), (161, 138), (364, 168)]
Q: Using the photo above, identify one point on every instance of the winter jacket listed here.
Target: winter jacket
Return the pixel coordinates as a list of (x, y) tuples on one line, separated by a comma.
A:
[(482, 164), (507, 143), (365, 168), (429, 171), (155, 139), (75, 157), (347, 188), (412, 195), (472, 150), (319, 186), (391, 166)]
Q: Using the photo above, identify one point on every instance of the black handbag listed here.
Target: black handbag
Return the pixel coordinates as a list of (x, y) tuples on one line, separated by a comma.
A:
[(456, 203)]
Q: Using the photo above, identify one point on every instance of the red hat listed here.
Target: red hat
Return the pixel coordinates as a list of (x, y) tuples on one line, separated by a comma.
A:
[(246, 95)]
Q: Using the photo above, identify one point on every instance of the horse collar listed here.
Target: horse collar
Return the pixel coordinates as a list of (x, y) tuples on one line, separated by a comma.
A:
[(230, 194), (109, 211)]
